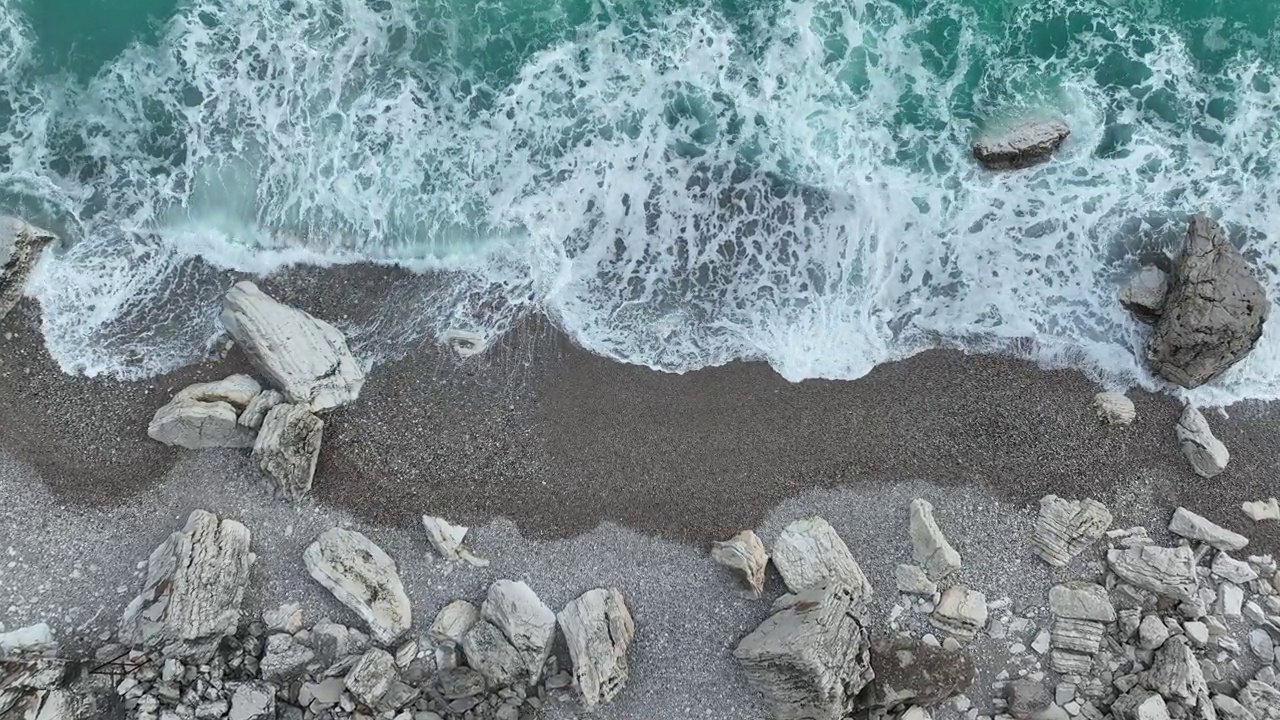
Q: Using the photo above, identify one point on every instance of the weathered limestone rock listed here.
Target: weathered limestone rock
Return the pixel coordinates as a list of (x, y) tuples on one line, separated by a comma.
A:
[(489, 652), (1262, 510), (929, 545), (362, 577), (20, 246), (911, 579), (1114, 408), (307, 359), (909, 671), (525, 621), (371, 677), (1023, 146), (196, 424), (253, 701), (30, 638), (1144, 294), (447, 539), (810, 552), (812, 659), (1165, 571), (1206, 453), (448, 630), (1081, 612), (285, 659), (288, 447), (1261, 699), (1214, 311), (1140, 704), (195, 584), (1026, 699), (1194, 527), (1066, 527), (598, 630), (256, 411), (745, 553), (1232, 570), (286, 619), (236, 390), (1152, 633), (1175, 674), (961, 612)]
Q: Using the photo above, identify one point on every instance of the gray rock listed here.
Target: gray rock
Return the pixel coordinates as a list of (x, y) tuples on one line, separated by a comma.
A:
[(745, 553), (1232, 570), (1080, 600), (928, 545), (287, 619), (253, 701), (911, 579), (461, 682), (1152, 633), (1206, 453), (371, 677), (362, 577), (489, 652), (30, 639), (307, 359), (1140, 704), (256, 411), (194, 587), (453, 621), (1263, 647), (961, 612), (447, 539), (1114, 408), (1175, 674), (1261, 699), (526, 622), (810, 552), (1066, 527), (908, 671), (287, 448), (1230, 601), (1021, 146), (1026, 699), (285, 659), (1194, 527), (1230, 709), (197, 425), (1214, 311), (1165, 571), (21, 245), (598, 629), (1144, 294), (810, 660), (212, 710)]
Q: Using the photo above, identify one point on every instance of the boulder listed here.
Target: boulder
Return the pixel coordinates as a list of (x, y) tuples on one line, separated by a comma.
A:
[(448, 630), (1114, 408), (811, 660), (1206, 453), (1175, 674), (525, 621), (745, 553), (235, 390), (307, 359), (21, 244), (1194, 527), (288, 447), (493, 656), (362, 577), (447, 539), (1066, 527), (371, 677), (1261, 510), (32, 638), (256, 411), (598, 629), (1144, 294), (810, 552), (961, 612), (193, 591), (1022, 146), (929, 546), (1214, 311), (909, 671), (1164, 571), (196, 425)]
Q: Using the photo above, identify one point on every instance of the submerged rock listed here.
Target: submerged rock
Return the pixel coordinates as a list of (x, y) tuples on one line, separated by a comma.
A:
[(745, 553), (598, 629), (1066, 527), (810, 552), (20, 246), (362, 577), (1022, 146), (1206, 453), (1144, 294), (1214, 312), (288, 447), (929, 546)]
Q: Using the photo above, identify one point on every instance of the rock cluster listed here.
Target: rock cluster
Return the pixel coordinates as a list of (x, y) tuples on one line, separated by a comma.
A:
[(1022, 146), (20, 247)]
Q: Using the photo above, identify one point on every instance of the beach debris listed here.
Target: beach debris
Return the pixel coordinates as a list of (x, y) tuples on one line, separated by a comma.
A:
[(288, 447), (256, 411), (929, 546), (194, 587), (745, 553), (1206, 453), (370, 678), (961, 612), (21, 245), (1214, 311), (1081, 612), (1144, 294), (447, 539), (1262, 510), (810, 552), (812, 659), (911, 579), (1022, 146), (362, 577), (465, 343), (204, 415), (524, 621), (306, 358), (598, 629), (1114, 408), (1066, 527), (449, 628), (909, 671), (1169, 572), (1194, 527)]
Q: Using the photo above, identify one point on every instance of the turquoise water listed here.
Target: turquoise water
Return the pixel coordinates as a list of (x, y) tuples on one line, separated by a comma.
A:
[(675, 184)]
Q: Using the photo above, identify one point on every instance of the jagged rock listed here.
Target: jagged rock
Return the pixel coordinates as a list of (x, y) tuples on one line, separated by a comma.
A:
[(928, 545), (1175, 674), (1027, 699), (195, 584), (1140, 705), (1152, 633), (307, 359), (253, 701), (488, 651), (810, 552), (285, 659), (460, 682), (1262, 646), (525, 621), (287, 619), (1214, 311), (1165, 571), (196, 425), (37, 638), (1066, 527), (448, 630), (1206, 453), (909, 671), (1261, 699), (1114, 408), (598, 629), (811, 659), (447, 539), (362, 577), (1144, 294), (371, 677), (256, 411), (1232, 570), (1022, 146), (332, 642), (911, 579), (1261, 510), (287, 448), (961, 612), (1080, 600), (745, 553), (21, 244), (1194, 527)]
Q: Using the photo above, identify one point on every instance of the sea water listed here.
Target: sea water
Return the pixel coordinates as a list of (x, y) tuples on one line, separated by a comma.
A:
[(673, 183)]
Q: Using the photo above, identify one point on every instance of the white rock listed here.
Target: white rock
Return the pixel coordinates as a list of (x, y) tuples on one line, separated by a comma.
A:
[(236, 390), (1066, 527), (26, 638), (1197, 633), (307, 359), (1262, 510), (1263, 647), (256, 411), (1144, 293), (447, 539), (196, 425), (371, 676), (1206, 453), (253, 701), (911, 579), (961, 612), (598, 629), (1152, 633), (1232, 570), (288, 447), (525, 621), (928, 545), (745, 553), (453, 621), (362, 577), (810, 552), (490, 653), (287, 619), (1114, 408), (1194, 527)]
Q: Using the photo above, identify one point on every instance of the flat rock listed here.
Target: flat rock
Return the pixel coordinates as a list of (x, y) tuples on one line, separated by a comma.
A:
[(196, 425), (34, 637), (1144, 294), (447, 539), (284, 659), (193, 591), (811, 660), (21, 245), (745, 553), (307, 359), (1021, 146), (256, 411), (961, 612), (598, 629), (913, 580), (371, 677), (1066, 527), (526, 622), (928, 545), (288, 447), (1079, 600), (1114, 408), (362, 577), (1214, 311), (1194, 527), (909, 671), (810, 552), (1027, 698), (1262, 510), (1261, 699), (1232, 570), (1165, 571), (253, 701), (1206, 453)]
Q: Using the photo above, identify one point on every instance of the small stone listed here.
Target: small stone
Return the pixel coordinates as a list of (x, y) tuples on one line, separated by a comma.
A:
[(253, 701), (1230, 601), (1262, 645), (929, 546), (912, 580), (961, 613), (1042, 642), (745, 553), (1232, 570), (1206, 453), (1152, 633), (286, 619), (447, 539), (1262, 510), (1197, 633)]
